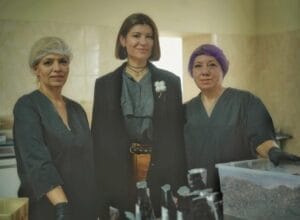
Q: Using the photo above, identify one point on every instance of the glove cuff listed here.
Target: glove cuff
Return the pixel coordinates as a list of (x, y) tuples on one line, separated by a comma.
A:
[(274, 150), (274, 155), (62, 209)]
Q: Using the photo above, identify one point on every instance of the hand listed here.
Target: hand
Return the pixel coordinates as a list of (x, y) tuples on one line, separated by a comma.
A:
[(62, 211), (276, 156)]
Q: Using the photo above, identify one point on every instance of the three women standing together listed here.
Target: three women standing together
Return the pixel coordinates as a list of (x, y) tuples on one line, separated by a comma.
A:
[(137, 128)]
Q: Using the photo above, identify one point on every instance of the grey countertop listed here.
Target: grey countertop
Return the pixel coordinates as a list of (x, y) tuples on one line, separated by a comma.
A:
[(7, 149)]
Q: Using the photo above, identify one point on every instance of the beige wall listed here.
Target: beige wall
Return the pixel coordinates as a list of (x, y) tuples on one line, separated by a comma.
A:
[(182, 16), (92, 48), (278, 67), (90, 27), (274, 16), (277, 64), (260, 38)]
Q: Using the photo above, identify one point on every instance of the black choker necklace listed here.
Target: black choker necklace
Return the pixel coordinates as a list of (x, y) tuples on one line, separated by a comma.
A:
[(136, 67), (137, 71)]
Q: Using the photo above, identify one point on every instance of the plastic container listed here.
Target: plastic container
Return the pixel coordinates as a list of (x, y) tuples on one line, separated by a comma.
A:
[(256, 189), (14, 208)]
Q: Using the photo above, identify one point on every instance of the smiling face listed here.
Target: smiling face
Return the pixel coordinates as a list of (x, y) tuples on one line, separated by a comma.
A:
[(138, 43), (52, 71), (207, 73)]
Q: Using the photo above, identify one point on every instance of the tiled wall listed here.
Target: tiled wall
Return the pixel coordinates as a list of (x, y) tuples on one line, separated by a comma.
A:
[(278, 65), (92, 46), (266, 64)]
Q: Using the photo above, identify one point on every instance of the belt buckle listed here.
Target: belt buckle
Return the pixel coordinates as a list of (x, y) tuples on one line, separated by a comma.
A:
[(137, 148), (130, 149)]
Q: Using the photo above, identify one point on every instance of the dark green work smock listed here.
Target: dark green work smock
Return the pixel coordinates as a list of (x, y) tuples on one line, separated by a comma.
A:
[(49, 154), (238, 124)]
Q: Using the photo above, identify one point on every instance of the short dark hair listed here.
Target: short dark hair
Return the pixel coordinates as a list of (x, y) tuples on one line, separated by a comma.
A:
[(128, 23)]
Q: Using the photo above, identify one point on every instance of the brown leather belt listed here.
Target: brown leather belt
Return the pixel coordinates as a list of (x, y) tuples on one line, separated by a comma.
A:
[(137, 148), (141, 157)]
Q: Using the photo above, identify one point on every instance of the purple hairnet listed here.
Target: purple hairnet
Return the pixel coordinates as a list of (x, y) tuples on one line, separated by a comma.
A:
[(210, 50)]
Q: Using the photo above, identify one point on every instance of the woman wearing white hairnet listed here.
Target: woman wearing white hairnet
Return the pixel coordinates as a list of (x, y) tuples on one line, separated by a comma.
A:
[(53, 143)]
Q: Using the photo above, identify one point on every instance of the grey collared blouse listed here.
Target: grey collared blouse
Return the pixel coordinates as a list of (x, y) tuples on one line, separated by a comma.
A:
[(137, 106)]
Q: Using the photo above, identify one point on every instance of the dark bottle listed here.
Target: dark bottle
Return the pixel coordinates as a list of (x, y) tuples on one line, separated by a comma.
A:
[(143, 207), (129, 215), (206, 206), (197, 178), (201, 209), (216, 204), (168, 207), (184, 203)]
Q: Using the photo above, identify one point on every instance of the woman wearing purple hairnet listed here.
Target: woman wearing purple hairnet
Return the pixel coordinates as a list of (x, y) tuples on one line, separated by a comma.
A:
[(224, 124)]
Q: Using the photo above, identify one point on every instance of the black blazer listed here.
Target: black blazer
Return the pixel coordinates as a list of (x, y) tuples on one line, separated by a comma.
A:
[(111, 142)]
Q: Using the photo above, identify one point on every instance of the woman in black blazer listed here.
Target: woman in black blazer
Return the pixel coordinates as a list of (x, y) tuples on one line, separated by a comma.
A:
[(137, 121)]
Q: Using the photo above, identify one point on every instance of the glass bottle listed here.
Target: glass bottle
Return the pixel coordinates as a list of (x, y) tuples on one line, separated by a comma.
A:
[(143, 208), (184, 202), (197, 178), (168, 206)]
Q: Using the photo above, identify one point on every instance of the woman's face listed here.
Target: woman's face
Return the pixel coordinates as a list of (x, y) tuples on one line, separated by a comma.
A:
[(207, 73), (52, 70), (138, 42)]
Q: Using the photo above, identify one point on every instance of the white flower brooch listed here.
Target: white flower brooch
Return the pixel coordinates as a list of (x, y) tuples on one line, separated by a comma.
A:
[(160, 87)]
